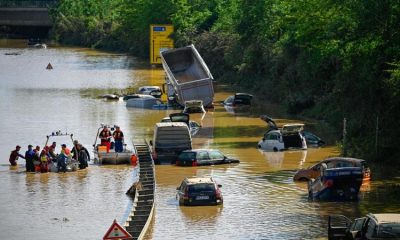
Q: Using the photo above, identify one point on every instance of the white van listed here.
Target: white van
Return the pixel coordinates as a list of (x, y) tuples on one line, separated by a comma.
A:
[(169, 140)]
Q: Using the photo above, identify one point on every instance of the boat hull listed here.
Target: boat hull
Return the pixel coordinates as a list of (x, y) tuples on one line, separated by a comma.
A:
[(113, 157)]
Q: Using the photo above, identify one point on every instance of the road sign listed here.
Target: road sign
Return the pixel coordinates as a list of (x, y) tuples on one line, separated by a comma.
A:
[(160, 40), (116, 231)]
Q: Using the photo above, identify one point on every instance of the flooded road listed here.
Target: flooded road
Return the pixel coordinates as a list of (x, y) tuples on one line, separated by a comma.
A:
[(261, 201)]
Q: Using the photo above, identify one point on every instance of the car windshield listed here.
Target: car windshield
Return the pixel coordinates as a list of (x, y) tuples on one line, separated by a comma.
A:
[(201, 187), (187, 156), (389, 230)]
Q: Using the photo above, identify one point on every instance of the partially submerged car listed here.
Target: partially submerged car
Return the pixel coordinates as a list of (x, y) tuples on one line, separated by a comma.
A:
[(194, 106), (154, 91), (336, 184), (288, 137), (312, 139), (144, 101), (198, 157), (194, 127), (334, 162), (239, 99), (199, 191), (372, 226)]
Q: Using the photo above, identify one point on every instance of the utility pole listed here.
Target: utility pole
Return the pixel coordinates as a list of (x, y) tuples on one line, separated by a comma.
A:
[(344, 137), (376, 135)]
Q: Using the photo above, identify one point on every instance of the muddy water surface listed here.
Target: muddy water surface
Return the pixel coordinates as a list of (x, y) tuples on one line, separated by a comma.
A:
[(260, 199)]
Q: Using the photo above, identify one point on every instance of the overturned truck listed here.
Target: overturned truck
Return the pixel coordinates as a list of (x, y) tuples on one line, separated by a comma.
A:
[(188, 77)]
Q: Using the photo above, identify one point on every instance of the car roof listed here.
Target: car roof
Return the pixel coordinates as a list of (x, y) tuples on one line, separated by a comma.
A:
[(194, 180), (171, 124), (346, 159), (149, 87), (385, 217), (200, 150)]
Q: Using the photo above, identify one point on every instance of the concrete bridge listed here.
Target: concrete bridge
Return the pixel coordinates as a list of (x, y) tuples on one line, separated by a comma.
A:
[(25, 16)]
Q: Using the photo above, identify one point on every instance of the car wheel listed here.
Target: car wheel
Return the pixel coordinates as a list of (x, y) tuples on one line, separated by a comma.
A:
[(259, 146), (275, 149), (303, 179)]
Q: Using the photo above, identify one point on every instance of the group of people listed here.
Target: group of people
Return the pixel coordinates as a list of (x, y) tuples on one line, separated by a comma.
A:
[(40, 160), (105, 137)]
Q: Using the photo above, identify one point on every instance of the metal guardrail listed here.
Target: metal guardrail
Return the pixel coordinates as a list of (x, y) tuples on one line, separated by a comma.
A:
[(27, 3)]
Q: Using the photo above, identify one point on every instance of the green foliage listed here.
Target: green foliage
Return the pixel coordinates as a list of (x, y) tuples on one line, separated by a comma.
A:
[(325, 59)]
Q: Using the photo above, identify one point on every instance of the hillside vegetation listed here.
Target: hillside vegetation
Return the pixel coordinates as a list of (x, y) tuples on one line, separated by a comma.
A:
[(328, 60)]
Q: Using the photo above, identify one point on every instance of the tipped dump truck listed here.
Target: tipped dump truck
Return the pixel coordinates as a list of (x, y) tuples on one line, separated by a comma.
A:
[(188, 76)]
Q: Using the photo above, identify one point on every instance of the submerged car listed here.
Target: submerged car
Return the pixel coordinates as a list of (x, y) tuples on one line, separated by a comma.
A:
[(372, 226), (154, 91), (336, 184), (312, 139), (194, 106), (239, 99), (194, 127), (199, 191), (289, 137), (335, 162), (198, 157)]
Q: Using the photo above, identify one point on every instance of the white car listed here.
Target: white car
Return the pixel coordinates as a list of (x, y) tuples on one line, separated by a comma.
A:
[(288, 137)]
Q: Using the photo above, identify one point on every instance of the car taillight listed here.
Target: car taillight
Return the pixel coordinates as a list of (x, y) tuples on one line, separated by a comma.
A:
[(328, 183), (218, 193), (194, 163), (186, 195)]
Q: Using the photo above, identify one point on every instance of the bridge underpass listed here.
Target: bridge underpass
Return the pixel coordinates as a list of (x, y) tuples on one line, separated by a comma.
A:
[(24, 18)]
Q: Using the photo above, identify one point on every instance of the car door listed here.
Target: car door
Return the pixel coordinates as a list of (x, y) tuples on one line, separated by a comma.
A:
[(356, 228), (216, 157)]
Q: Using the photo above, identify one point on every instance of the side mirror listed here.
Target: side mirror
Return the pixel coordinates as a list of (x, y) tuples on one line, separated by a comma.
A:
[(263, 139), (151, 143), (219, 185)]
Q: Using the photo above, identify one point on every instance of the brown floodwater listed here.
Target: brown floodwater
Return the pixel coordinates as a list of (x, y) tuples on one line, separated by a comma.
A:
[(261, 201)]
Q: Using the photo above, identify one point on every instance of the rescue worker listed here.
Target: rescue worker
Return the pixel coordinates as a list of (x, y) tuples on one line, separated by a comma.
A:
[(105, 137), (44, 160), (29, 154), (52, 151), (62, 158), (75, 151), (118, 138), (36, 158), (83, 156), (15, 155)]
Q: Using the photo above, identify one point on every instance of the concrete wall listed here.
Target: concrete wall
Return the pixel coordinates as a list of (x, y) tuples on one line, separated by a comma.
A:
[(38, 17)]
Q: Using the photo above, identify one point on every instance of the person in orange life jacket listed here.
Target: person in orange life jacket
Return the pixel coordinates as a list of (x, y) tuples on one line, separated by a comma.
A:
[(118, 138), (105, 137), (14, 156)]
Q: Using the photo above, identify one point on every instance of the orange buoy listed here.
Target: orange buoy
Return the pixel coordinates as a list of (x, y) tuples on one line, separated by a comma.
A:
[(134, 160)]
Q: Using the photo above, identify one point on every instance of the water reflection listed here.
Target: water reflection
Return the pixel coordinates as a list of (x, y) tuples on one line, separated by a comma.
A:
[(261, 201)]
